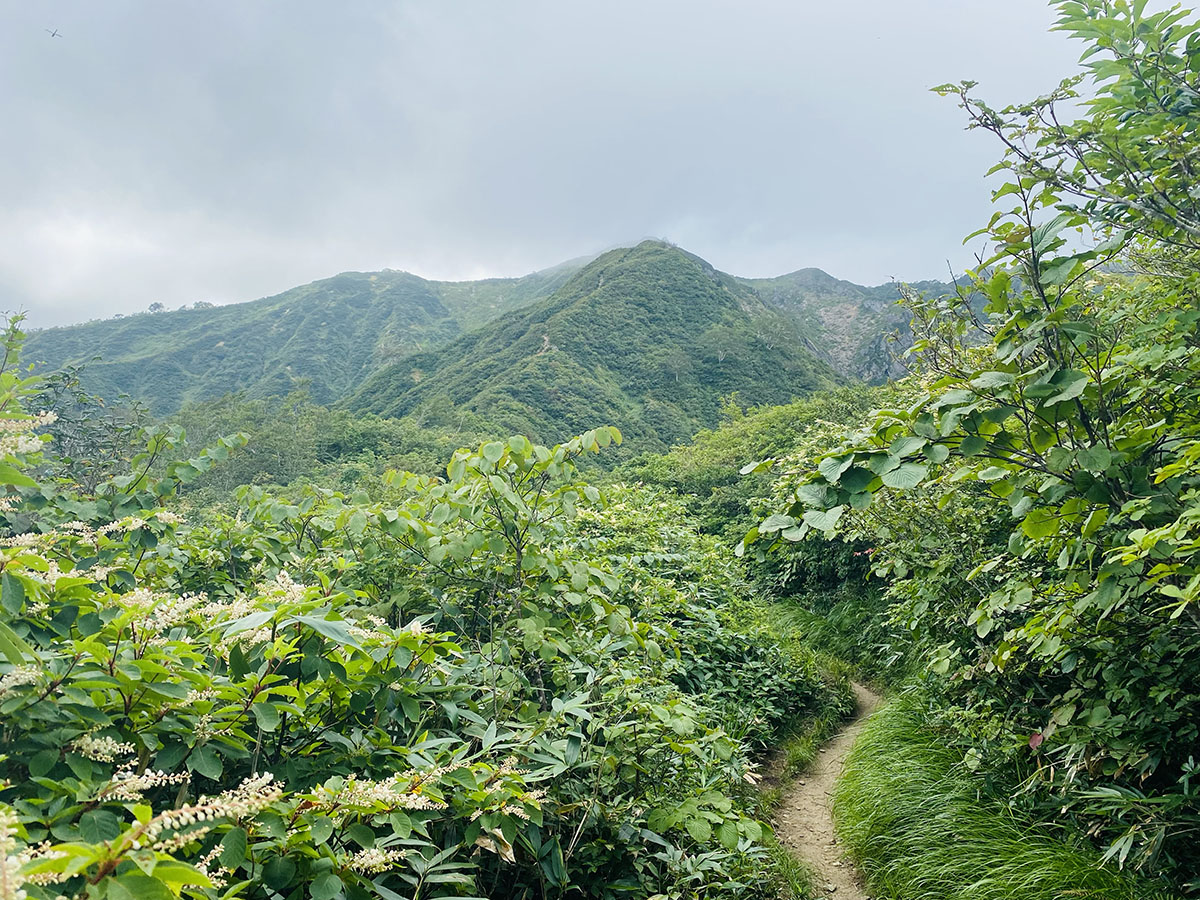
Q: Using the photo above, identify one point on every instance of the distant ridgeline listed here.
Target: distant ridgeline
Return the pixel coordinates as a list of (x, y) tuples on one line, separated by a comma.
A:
[(649, 338)]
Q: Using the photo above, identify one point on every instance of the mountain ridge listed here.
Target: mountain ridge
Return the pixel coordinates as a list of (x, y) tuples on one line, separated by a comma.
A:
[(650, 337), (332, 335)]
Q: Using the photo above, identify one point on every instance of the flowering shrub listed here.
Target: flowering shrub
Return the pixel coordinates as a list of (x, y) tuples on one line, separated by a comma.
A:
[(455, 689)]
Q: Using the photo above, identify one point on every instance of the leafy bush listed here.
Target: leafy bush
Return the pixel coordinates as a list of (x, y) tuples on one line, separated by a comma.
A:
[(481, 684), (1034, 507)]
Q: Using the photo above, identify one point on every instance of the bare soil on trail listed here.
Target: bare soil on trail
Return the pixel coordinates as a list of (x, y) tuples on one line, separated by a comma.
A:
[(804, 821)]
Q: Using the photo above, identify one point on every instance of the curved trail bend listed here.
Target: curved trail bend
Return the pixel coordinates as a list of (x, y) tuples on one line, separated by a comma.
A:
[(805, 817)]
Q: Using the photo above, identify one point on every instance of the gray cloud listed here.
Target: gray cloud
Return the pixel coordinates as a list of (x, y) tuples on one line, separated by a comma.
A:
[(223, 151)]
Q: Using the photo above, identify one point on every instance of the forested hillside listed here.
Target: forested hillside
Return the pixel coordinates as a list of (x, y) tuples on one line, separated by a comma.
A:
[(325, 336), (651, 338), (328, 337)]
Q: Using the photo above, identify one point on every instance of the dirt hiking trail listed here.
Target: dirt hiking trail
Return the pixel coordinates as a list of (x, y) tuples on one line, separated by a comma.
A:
[(805, 817)]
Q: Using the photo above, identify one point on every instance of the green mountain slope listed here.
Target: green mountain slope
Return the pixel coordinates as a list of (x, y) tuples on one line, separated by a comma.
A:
[(329, 335), (850, 326), (649, 338), (334, 334)]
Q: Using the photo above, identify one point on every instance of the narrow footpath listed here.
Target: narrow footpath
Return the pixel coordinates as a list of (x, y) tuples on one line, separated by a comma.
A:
[(805, 817)]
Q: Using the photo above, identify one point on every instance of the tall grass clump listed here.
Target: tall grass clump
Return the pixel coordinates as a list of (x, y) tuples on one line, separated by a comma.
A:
[(913, 815)]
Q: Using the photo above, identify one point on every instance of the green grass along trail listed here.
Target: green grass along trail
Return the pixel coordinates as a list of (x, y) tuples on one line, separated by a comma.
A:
[(805, 815)]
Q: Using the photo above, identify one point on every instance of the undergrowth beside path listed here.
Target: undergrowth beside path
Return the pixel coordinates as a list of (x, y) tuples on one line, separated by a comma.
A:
[(910, 813)]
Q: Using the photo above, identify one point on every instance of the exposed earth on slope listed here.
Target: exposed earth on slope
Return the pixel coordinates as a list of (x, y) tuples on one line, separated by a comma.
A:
[(804, 822)]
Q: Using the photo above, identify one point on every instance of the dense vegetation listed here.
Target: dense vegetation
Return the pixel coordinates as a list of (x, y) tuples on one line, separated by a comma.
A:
[(1030, 508), (650, 338), (313, 660), (328, 337), (325, 337), (491, 683)]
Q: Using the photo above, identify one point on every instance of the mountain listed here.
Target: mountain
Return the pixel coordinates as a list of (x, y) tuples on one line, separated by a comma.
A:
[(374, 336), (328, 335), (649, 338), (851, 327)]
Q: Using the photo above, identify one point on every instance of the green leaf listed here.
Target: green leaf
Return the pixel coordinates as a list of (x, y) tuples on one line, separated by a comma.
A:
[(761, 465), (823, 519), (1070, 384), (233, 848), (336, 631), (13, 648), (832, 467), (136, 886), (9, 475), (987, 380), (493, 451), (266, 715), (775, 522), (1063, 714), (727, 834), (937, 453), (239, 668), (907, 476), (325, 887), (906, 446), (1094, 459), (321, 829), (43, 762), (98, 825), (278, 873), (12, 594), (972, 445), (856, 479), (204, 759), (699, 829), (1040, 523)]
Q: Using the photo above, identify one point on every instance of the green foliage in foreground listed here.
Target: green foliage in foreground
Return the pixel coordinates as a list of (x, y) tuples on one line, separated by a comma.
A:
[(1034, 508), (909, 810), (488, 684)]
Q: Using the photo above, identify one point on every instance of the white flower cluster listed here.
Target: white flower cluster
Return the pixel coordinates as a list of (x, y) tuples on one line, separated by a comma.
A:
[(101, 749), (96, 573), (26, 540), (16, 435), (129, 523), (42, 852), (10, 860), (405, 790), (50, 576), (169, 518), (195, 696), (286, 589), (8, 504), (378, 632), (129, 786), (416, 626), (77, 528), (374, 860), (218, 875), (157, 613), (226, 610), (17, 677), (193, 821), (13, 859)]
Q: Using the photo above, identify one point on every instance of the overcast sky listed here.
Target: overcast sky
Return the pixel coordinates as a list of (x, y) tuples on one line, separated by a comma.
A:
[(224, 150)]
